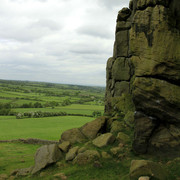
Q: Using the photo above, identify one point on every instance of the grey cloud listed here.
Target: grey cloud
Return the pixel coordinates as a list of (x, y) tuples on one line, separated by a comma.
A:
[(46, 23), (57, 41), (109, 4), (22, 1), (88, 48), (31, 32), (85, 50), (97, 31)]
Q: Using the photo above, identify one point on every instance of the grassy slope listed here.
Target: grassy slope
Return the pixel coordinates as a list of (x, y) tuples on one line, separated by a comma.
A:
[(15, 156)]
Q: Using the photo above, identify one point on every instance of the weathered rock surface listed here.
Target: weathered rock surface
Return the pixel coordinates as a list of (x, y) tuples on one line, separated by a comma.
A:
[(116, 150), (3, 176), (46, 155), (64, 146), (73, 136), (144, 178), (116, 126), (72, 153), (61, 176), (105, 155), (91, 129), (22, 172), (123, 138), (147, 168), (145, 68), (86, 157), (104, 140)]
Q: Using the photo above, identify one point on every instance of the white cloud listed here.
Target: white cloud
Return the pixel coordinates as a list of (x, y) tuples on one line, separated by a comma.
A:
[(61, 41)]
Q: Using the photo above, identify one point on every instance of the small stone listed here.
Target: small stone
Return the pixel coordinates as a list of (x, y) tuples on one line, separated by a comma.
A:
[(60, 164), (3, 176), (97, 164), (24, 171), (144, 178), (121, 145), (169, 162), (22, 161), (72, 153), (62, 176), (11, 178), (105, 155), (123, 138), (82, 149), (116, 150), (121, 156), (42, 174)]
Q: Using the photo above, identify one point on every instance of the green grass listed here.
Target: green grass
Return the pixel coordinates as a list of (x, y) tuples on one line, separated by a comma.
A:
[(15, 156), (73, 109), (49, 128)]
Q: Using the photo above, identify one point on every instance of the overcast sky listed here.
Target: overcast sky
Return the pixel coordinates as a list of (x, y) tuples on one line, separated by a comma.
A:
[(62, 41)]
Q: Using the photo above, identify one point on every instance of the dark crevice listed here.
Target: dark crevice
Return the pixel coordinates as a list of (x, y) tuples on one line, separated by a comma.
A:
[(122, 81), (122, 57), (146, 29), (174, 82), (157, 125)]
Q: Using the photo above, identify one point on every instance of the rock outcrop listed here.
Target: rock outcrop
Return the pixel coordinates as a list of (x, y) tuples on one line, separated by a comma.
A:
[(143, 76), (147, 168)]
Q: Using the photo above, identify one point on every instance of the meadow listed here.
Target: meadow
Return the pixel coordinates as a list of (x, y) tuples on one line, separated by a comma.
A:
[(48, 128), (20, 97)]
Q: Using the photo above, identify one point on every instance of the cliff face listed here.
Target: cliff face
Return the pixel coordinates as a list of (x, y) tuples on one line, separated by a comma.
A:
[(143, 76)]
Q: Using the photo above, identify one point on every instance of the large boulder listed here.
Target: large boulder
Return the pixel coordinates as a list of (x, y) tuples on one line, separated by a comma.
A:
[(104, 140), (73, 136), (93, 128), (86, 157), (46, 155)]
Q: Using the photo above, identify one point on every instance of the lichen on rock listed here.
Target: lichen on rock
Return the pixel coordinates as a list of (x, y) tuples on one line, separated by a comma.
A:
[(146, 67)]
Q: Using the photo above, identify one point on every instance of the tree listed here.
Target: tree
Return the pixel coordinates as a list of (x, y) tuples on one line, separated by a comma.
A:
[(96, 113), (66, 102)]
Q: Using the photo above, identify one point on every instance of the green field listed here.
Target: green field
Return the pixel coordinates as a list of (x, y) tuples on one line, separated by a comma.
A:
[(15, 156), (49, 128), (20, 97), (72, 109), (21, 93)]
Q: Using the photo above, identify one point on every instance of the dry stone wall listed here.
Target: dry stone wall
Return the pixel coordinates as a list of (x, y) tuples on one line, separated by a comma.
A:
[(145, 72)]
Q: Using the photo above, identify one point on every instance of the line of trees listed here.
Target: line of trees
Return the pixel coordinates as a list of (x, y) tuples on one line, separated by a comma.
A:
[(40, 114), (5, 109)]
